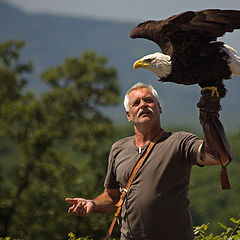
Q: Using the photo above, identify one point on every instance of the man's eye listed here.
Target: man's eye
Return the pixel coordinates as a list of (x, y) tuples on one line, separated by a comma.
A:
[(135, 104), (149, 100)]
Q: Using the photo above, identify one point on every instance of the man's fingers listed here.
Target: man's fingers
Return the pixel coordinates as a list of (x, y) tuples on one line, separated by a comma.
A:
[(71, 200), (71, 209), (75, 200), (80, 210), (78, 206)]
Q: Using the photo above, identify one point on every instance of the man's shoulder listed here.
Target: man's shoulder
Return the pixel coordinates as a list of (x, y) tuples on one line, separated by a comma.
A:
[(123, 142), (181, 135)]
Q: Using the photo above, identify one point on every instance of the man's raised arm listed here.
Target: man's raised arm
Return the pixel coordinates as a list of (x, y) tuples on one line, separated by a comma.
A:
[(215, 146)]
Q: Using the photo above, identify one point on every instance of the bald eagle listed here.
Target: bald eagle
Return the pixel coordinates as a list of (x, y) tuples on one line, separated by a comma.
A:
[(190, 51)]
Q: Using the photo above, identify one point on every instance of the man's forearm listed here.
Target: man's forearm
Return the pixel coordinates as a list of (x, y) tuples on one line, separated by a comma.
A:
[(105, 203), (216, 144)]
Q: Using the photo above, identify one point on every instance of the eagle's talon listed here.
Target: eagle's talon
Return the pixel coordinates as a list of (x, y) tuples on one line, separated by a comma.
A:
[(213, 89)]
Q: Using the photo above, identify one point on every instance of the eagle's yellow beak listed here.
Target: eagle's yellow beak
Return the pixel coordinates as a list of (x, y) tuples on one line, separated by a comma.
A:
[(139, 64)]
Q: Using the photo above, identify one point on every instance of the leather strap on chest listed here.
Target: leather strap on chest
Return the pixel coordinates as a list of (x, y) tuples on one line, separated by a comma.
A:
[(126, 189)]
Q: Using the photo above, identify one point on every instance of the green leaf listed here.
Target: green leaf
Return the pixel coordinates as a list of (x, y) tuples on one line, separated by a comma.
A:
[(235, 221)]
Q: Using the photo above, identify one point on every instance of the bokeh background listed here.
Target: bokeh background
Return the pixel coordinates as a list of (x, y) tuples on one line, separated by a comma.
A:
[(57, 126)]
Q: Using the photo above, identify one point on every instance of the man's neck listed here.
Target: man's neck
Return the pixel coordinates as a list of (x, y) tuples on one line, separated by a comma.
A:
[(145, 134)]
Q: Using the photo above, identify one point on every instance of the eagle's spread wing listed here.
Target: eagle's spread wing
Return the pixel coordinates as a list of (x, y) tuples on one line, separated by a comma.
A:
[(178, 32)]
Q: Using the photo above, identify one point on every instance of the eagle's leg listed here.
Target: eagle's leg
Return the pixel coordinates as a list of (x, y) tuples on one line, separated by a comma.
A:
[(213, 89)]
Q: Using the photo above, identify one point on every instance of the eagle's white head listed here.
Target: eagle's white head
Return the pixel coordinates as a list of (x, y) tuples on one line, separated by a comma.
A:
[(157, 62)]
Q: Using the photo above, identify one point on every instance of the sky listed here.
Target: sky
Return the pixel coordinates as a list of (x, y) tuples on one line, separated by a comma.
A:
[(128, 10), (124, 10)]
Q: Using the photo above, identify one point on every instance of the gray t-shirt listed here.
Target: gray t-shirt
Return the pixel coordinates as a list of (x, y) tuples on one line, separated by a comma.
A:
[(156, 206)]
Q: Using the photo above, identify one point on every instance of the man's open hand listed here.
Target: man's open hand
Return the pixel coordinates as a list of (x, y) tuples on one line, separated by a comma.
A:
[(80, 206)]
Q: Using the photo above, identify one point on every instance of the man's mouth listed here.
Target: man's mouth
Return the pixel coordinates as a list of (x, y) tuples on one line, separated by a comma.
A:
[(142, 112)]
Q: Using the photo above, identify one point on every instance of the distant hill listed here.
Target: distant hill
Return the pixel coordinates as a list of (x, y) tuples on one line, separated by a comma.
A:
[(50, 39)]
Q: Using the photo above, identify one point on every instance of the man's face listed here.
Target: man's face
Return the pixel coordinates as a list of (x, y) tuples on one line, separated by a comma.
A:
[(143, 107)]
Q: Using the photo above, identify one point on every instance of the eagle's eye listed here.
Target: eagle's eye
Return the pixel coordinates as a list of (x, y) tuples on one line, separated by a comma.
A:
[(149, 60)]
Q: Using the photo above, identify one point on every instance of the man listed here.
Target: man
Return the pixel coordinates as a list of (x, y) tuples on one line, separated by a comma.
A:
[(156, 206)]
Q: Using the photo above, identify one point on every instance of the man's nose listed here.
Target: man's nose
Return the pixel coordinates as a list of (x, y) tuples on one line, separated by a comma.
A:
[(143, 104)]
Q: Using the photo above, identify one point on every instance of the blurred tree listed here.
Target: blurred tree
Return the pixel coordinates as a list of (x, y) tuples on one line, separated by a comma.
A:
[(43, 132), (11, 85)]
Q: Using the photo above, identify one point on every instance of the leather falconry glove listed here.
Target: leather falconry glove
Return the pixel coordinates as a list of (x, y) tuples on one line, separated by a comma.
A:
[(215, 143)]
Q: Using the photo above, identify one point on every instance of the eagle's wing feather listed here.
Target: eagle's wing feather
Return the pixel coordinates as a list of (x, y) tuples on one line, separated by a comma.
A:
[(151, 30), (213, 22), (191, 26)]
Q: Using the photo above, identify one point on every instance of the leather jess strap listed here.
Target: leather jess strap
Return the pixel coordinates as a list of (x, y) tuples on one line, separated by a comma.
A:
[(216, 143), (134, 172)]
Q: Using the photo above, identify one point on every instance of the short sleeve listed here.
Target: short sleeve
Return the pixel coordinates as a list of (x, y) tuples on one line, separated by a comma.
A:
[(110, 180), (189, 147)]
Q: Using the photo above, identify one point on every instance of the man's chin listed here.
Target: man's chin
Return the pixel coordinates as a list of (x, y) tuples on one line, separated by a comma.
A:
[(145, 118), (145, 115)]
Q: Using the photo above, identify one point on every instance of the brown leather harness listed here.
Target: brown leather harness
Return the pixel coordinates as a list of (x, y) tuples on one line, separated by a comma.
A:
[(134, 172)]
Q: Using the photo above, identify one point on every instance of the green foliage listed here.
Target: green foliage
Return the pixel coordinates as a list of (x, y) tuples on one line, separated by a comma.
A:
[(72, 236), (208, 201), (54, 143), (229, 233), (9, 238), (11, 71)]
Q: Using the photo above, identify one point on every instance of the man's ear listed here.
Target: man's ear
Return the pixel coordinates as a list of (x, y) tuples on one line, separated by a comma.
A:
[(128, 117), (160, 108)]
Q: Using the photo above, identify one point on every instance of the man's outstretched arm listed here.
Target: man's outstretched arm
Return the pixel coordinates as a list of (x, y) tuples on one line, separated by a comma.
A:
[(215, 146), (104, 203)]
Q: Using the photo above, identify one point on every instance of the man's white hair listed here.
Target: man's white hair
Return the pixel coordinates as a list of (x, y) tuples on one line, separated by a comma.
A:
[(138, 86)]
